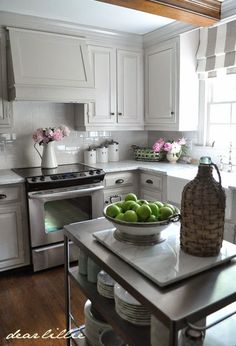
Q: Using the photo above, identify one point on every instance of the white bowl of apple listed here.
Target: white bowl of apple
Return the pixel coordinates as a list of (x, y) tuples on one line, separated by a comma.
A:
[(139, 217)]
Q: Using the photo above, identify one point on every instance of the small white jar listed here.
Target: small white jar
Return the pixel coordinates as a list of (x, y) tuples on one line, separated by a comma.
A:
[(92, 270), (83, 262), (113, 151), (102, 154), (90, 156)]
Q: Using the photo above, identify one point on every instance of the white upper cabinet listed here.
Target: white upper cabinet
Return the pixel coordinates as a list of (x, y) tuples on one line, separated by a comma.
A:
[(129, 88), (48, 66), (5, 106), (171, 84), (103, 62), (118, 82), (161, 85)]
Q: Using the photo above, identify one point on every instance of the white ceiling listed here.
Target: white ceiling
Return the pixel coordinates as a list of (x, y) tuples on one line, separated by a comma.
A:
[(88, 12)]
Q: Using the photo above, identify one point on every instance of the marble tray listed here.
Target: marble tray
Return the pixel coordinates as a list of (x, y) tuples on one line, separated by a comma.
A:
[(164, 263)]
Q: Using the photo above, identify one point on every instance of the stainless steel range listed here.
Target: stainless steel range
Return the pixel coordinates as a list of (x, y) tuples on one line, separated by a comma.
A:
[(56, 197)]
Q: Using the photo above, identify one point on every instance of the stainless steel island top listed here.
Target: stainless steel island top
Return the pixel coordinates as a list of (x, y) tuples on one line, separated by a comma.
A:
[(188, 300)]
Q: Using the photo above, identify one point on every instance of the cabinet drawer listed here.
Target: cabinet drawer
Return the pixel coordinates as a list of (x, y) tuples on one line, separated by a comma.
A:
[(119, 179), (151, 181), (9, 194), (116, 195)]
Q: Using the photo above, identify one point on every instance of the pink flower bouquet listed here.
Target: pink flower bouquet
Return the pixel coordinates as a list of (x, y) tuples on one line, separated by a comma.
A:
[(169, 146), (50, 134)]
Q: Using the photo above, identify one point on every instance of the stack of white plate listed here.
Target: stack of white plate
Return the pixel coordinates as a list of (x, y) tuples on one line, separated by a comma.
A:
[(105, 285), (128, 308), (93, 327)]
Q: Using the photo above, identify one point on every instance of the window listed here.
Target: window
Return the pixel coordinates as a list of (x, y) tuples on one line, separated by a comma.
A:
[(220, 122)]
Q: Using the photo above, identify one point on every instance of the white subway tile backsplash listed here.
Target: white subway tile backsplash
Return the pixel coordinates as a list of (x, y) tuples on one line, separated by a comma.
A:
[(17, 146)]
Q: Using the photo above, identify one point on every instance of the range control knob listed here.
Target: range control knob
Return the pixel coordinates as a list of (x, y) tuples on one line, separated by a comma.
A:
[(91, 172), (42, 178), (98, 171), (33, 179)]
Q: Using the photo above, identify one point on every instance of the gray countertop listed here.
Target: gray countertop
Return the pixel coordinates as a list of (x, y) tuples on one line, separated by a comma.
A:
[(7, 176), (162, 167), (181, 171), (178, 170)]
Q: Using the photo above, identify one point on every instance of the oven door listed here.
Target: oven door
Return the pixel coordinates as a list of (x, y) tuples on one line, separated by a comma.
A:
[(50, 210)]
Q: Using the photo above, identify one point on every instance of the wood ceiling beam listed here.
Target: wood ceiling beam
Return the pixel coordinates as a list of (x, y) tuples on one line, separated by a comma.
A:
[(197, 12)]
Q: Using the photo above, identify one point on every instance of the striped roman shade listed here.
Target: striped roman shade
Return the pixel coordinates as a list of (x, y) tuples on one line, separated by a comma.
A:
[(217, 49)]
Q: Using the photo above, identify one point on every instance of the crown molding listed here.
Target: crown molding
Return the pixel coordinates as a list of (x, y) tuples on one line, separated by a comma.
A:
[(92, 34), (228, 9), (165, 33)]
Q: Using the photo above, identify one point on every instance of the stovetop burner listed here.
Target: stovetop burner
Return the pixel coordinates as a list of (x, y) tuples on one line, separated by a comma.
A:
[(38, 178)]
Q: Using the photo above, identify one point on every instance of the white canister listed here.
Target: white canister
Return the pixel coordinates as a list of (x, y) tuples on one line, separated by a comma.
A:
[(83, 262), (102, 154), (90, 156), (113, 151), (92, 270)]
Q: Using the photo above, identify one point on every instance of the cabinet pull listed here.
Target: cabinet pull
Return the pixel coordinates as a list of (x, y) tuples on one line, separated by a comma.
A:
[(115, 197), (172, 113), (112, 113), (2, 196), (149, 181), (119, 181), (119, 113), (110, 199)]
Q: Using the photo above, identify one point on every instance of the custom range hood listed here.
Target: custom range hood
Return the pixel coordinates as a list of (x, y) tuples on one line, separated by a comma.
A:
[(45, 66)]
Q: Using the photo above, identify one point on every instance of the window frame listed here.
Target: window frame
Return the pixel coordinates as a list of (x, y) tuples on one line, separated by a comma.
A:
[(205, 101)]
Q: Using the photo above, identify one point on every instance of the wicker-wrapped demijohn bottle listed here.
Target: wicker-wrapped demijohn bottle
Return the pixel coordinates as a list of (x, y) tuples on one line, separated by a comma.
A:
[(203, 212)]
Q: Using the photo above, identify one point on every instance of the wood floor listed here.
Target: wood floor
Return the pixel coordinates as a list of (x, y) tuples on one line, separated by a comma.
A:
[(34, 303)]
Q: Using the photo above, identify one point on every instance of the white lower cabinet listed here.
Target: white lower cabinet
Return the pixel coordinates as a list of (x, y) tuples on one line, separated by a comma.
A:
[(149, 186), (118, 185), (14, 244), (116, 195), (230, 232), (153, 186), (151, 195)]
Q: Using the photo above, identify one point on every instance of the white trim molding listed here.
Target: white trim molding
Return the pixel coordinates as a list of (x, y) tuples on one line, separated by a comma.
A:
[(92, 34), (228, 9), (165, 33)]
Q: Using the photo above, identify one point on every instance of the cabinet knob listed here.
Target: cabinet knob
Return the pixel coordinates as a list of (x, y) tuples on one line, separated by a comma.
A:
[(172, 113), (149, 181), (119, 181), (112, 113), (2, 196), (119, 113)]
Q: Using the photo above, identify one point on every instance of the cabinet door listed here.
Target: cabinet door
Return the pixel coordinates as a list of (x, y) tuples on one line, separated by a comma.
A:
[(151, 195), (11, 237), (5, 106), (161, 79), (103, 61), (129, 87)]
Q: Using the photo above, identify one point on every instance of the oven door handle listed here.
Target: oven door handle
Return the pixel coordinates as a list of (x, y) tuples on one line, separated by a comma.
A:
[(63, 194)]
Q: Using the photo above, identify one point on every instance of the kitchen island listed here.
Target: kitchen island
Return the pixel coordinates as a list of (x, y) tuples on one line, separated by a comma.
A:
[(188, 300)]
